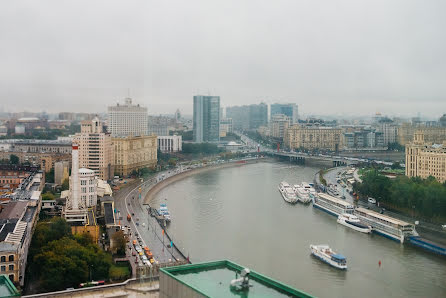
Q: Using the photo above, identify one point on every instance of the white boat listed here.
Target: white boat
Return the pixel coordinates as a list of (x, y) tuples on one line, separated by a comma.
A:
[(353, 222), (386, 226), (326, 254), (287, 192), (302, 194), (332, 205), (164, 212), (310, 188)]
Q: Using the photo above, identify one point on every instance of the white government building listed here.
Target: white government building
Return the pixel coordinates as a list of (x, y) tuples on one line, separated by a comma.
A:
[(127, 120)]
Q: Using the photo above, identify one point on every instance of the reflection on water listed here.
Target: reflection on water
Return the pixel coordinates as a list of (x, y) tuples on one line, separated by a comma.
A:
[(238, 214)]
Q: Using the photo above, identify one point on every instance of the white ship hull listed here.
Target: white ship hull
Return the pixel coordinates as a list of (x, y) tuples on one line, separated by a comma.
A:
[(325, 258), (287, 198), (343, 222)]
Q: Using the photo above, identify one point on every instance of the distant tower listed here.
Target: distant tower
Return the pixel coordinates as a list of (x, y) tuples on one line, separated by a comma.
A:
[(177, 115)]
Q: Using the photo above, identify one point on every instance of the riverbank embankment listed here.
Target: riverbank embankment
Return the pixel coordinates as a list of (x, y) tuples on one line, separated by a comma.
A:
[(172, 179)]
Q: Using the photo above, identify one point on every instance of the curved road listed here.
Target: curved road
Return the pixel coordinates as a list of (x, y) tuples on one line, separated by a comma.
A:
[(129, 201)]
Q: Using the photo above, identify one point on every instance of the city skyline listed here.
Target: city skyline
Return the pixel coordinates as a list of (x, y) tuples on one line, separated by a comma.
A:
[(381, 58)]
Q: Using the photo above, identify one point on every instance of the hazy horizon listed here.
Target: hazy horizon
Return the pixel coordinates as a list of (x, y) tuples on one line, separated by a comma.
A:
[(339, 58)]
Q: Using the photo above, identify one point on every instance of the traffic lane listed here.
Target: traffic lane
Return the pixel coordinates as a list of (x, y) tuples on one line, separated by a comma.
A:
[(153, 240)]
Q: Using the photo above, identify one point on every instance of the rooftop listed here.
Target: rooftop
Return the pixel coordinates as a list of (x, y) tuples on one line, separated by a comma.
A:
[(13, 210), (213, 279), (383, 217), (7, 288)]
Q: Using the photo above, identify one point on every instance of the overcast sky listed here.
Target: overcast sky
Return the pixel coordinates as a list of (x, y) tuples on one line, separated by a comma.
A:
[(330, 57)]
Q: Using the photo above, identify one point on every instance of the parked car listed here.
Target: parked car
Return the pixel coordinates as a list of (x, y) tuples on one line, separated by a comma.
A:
[(371, 200)]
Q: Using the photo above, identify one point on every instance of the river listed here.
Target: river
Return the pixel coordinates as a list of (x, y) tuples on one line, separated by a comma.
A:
[(238, 214)]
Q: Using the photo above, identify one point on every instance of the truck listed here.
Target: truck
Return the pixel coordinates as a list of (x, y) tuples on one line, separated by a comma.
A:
[(129, 217)]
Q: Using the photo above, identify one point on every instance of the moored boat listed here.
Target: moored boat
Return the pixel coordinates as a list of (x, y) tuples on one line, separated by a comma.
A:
[(326, 254), (302, 194), (332, 205), (287, 192), (164, 212), (353, 222), (386, 226)]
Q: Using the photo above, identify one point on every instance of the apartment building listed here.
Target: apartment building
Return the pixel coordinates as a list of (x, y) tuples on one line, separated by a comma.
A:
[(425, 159), (134, 153), (95, 148), (313, 138)]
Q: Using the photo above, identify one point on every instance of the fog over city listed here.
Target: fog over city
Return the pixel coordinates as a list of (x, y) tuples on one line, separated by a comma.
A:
[(345, 58)]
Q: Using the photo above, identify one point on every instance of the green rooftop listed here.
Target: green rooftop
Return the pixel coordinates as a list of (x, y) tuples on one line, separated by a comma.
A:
[(7, 288), (212, 279)]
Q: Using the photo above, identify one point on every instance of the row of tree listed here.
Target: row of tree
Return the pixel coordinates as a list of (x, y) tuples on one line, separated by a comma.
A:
[(422, 197), (58, 260), (201, 148)]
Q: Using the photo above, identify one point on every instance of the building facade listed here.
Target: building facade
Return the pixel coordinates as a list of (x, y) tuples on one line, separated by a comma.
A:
[(406, 133), (168, 144), (206, 121), (288, 109), (258, 116), (134, 153), (95, 149), (363, 139), (127, 120), (389, 130), (61, 171), (278, 125), (225, 127), (424, 159), (313, 138), (88, 184)]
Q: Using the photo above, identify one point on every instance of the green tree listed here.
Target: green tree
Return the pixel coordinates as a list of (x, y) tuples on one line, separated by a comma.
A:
[(65, 185), (119, 242), (14, 159), (49, 176), (48, 196)]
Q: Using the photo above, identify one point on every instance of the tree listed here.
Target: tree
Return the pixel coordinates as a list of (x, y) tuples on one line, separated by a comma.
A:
[(49, 176), (14, 159), (65, 185), (48, 196), (119, 242)]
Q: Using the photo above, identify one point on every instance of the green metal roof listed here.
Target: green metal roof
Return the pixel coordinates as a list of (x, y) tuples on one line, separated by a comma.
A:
[(212, 279), (7, 288)]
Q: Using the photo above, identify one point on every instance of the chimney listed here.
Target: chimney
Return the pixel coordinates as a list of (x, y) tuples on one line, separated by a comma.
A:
[(75, 187)]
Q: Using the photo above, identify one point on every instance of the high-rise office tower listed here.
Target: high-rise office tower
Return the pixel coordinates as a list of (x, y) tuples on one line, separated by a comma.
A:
[(206, 118), (288, 109), (127, 120)]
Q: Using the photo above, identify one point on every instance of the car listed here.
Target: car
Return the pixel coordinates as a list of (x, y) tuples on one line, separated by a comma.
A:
[(140, 253), (443, 227), (371, 200)]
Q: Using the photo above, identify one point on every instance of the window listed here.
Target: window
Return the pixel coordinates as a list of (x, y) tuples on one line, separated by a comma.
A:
[(3, 259), (11, 258), (3, 269), (11, 277), (11, 267)]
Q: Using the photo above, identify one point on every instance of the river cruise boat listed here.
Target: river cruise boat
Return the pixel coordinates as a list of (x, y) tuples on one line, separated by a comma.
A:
[(387, 226), (287, 192), (310, 188), (332, 205), (326, 254), (303, 194), (353, 222), (164, 212)]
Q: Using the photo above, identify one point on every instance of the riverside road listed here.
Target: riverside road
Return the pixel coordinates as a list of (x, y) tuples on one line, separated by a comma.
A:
[(129, 200)]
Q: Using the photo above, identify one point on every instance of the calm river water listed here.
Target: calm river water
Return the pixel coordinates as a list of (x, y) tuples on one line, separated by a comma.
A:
[(238, 214)]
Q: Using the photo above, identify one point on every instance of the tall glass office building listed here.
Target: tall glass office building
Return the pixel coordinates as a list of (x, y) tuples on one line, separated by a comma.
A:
[(206, 118), (287, 109)]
